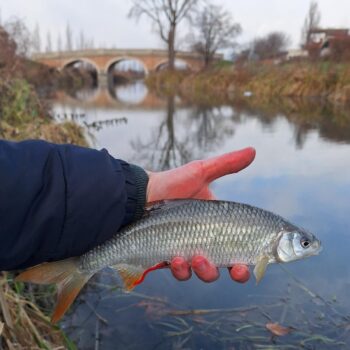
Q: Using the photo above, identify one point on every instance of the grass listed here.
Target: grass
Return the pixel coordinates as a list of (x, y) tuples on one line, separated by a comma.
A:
[(23, 115), (303, 79), (24, 310), (23, 324)]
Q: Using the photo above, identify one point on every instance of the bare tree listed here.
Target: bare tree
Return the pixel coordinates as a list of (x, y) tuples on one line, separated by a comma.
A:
[(90, 44), (166, 16), (8, 49), (48, 42), (82, 42), (59, 42), (19, 33), (216, 30), (312, 21), (270, 45), (36, 41), (172, 143), (69, 38)]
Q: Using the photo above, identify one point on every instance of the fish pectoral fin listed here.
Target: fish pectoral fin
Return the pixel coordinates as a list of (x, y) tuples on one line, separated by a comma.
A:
[(130, 275), (65, 274), (260, 268)]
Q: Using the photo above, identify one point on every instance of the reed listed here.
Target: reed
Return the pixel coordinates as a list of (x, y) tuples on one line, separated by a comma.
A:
[(303, 79)]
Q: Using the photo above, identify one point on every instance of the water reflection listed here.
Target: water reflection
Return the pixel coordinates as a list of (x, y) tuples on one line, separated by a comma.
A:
[(167, 147), (300, 172), (134, 93), (84, 95), (331, 121)]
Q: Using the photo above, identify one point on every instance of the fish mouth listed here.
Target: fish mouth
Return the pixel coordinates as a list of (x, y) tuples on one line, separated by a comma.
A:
[(318, 249)]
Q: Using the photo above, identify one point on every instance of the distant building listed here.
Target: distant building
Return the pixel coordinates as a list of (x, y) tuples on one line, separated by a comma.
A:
[(328, 42), (296, 54)]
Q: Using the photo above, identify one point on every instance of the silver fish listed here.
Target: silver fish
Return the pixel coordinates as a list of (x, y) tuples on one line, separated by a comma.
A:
[(224, 232)]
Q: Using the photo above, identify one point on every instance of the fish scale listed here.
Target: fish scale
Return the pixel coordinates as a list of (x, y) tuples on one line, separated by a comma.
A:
[(224, 232)]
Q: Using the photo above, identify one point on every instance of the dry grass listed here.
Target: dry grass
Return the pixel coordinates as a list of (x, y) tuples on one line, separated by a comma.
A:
[(23, 325), (318, 79)]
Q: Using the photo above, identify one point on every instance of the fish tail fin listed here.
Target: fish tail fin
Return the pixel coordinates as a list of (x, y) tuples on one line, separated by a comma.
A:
[(65, 274)]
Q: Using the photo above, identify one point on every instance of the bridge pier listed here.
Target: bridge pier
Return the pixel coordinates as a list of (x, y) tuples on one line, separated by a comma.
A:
[(102, 79)]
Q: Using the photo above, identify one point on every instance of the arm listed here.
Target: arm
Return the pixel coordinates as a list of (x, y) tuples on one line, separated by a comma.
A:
[(58, 201)]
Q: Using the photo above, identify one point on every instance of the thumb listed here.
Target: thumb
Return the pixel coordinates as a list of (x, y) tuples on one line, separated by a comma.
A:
[(228, 163)]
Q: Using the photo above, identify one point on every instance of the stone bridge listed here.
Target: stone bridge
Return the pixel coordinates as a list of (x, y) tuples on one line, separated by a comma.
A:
[(104, 59)]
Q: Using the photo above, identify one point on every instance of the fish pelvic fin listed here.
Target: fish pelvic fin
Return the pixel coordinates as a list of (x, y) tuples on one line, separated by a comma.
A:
[(260, 268), (65, 275), (130, 275)]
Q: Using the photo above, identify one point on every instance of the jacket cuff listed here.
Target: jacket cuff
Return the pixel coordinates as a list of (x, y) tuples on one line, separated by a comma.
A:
[(140, 182)]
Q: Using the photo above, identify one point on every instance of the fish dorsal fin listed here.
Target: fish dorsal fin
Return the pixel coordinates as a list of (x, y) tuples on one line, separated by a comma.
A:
[(166, 204), (260, 268), (129, 274)]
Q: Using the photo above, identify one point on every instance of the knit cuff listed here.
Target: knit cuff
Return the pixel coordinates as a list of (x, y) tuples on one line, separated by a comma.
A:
[(141, 182)]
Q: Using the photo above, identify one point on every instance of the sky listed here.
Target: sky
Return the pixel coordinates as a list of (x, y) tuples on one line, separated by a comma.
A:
[(106, 21)]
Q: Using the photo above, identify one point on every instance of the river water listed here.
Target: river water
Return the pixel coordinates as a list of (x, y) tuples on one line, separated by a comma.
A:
[(302, 172)]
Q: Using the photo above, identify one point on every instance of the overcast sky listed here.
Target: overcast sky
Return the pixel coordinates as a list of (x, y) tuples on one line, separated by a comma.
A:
[(106, 20)]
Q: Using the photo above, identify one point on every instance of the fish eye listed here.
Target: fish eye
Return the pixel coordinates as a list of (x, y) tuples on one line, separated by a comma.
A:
[(305, 243)]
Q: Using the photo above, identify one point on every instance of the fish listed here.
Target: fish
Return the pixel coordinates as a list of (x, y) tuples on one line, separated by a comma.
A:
[(224, 232)]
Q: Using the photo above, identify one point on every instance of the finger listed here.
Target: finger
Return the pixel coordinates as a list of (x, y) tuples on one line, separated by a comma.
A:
[(228, 163), (240, 273), (204, 269), (180, 269)]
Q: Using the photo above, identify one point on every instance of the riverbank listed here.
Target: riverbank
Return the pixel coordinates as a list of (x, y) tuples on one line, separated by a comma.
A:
[(25, 310), (24, 321), (25, 113), (307, 80)]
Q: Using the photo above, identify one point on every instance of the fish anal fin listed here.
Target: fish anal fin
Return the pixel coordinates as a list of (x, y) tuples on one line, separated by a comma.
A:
[(135, 275), (260, 268), (65, 274), (130, 274)]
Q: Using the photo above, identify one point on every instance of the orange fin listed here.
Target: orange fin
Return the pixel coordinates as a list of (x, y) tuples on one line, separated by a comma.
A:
[(67, 277), (135, 275), (129, 274)]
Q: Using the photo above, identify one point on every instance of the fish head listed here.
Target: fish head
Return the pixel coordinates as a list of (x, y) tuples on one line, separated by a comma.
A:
[(295, 243)]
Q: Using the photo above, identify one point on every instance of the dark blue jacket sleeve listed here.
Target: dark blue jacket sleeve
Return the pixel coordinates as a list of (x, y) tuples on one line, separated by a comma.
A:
[(58, 201)]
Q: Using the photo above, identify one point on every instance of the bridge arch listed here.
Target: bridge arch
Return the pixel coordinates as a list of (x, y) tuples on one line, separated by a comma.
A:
[(117, 60), (165, 62), (72, 61)]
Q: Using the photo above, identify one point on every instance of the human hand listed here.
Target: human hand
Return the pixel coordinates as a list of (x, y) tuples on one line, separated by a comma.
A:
[(192, 180)]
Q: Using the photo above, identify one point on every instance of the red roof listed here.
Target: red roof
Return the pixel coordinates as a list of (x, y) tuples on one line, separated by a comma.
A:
[(331, 31)]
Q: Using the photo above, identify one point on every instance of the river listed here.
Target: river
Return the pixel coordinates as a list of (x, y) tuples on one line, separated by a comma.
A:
[(302, 172)]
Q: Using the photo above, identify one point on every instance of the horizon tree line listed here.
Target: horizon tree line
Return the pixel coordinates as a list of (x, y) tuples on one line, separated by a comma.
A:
[(212, 28), (67, 42)]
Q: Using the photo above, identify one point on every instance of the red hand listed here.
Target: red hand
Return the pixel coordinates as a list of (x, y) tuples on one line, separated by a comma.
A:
[(192, 181)]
